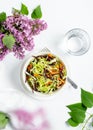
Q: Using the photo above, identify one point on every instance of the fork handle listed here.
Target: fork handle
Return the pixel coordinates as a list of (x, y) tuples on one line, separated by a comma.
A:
[(73, 84)]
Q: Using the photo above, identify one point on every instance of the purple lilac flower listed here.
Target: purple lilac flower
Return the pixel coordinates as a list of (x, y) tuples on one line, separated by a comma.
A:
[(1, 44), (24, 120), (3, 52), (37, 26), (18, 51), (23, 29)]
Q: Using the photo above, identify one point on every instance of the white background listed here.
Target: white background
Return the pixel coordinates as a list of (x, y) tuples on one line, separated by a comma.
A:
[(61, 16)]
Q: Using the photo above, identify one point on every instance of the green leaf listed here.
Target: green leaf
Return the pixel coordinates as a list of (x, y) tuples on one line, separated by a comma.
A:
[(2, 17), (92, 124), (78, 106), (72, 123), (3, 120), (37, 13), (24, 9), (87, 98), (77, 115), (8, 41)]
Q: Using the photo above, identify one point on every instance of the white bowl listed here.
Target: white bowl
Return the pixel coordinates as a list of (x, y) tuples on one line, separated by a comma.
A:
[(27, 88)]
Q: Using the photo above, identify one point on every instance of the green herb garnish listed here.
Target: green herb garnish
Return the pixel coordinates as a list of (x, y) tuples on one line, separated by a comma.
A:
[(2, 17), (8, 41), (78, 110), (3, 120), (37, 13)]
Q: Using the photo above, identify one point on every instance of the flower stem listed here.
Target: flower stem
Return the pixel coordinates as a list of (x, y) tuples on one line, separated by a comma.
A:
[(87, 121)]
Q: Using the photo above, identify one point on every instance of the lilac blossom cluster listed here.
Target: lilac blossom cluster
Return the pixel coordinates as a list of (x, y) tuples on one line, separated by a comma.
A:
[(30, 121), (23, 29)]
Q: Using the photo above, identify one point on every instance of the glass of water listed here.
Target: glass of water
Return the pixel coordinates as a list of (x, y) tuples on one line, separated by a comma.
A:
[(76, 42)]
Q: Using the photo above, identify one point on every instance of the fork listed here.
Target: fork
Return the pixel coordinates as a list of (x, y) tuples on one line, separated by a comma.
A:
[(45, 49)]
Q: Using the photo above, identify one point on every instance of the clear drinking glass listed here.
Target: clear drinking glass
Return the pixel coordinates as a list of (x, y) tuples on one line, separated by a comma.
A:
[(76, 42)]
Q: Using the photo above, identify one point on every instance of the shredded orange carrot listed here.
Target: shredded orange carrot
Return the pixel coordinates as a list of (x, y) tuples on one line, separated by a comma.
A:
[(48, 83), (36, 75), (29, 67), (57, 66), (54, 71), (59, 79), (50, 55), (60, 66)]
